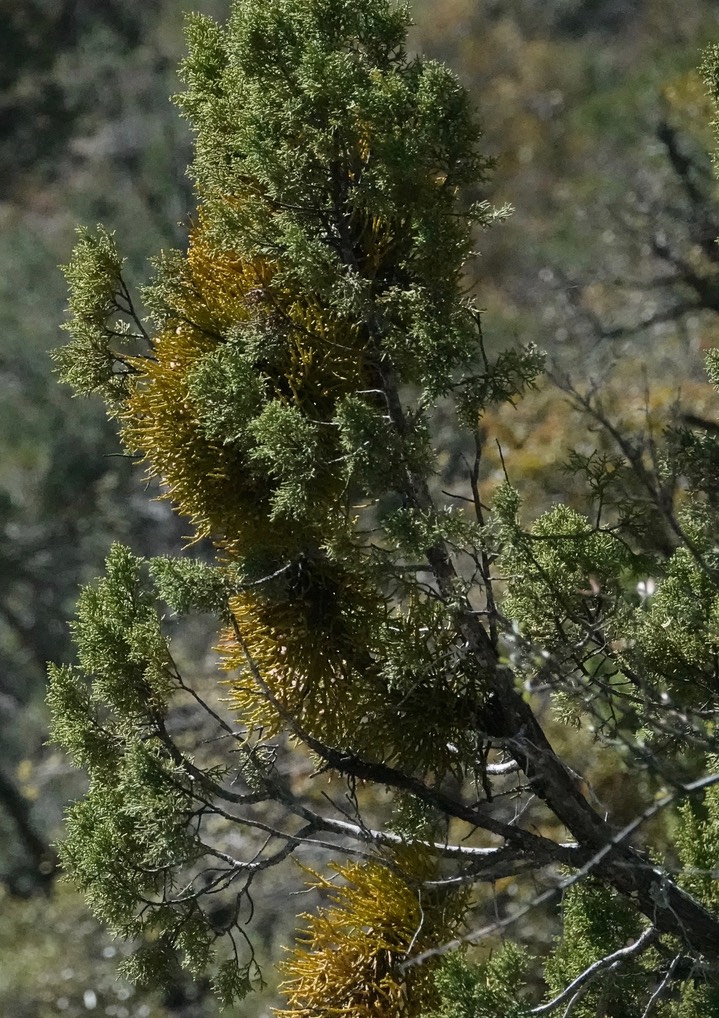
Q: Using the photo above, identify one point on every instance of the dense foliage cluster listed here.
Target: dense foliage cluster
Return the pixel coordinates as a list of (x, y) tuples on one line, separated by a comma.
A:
[(383, 635)]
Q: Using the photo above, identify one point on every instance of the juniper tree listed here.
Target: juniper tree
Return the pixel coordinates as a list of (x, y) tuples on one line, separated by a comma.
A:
[(403, 646)]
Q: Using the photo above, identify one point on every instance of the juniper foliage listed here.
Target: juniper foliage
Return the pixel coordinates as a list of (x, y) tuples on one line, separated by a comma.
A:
[(408, 644)]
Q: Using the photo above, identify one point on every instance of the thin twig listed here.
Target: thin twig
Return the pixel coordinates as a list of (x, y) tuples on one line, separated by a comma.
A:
[(610, 961)]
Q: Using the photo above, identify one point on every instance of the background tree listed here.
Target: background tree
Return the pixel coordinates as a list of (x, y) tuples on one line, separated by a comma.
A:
[(410, 647)]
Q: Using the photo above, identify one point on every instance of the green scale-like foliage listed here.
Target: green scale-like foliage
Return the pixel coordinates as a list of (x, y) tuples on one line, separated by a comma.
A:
[(90, 363), (558, 572), (596, 923), (124, 679), (304, 110), (485, 990), (675, 640), (132, 833), (697, 840)]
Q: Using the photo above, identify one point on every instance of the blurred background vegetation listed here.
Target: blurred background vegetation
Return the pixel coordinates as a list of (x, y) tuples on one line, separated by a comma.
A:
[(598, 121)]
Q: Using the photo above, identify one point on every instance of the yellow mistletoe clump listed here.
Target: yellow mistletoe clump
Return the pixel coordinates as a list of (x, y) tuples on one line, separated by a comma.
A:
[(349, 958), (225, 316), (206, 477), (207, 480), (308, 636), (307, 647)]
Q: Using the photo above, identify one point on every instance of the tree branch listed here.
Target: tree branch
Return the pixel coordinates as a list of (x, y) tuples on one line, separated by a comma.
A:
[(611, 961)]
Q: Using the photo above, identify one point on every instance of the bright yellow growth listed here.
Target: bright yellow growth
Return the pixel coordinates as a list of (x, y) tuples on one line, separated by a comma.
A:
[(312, 649), (310, 642), (208, 481), (213, 483), (348, 958)]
